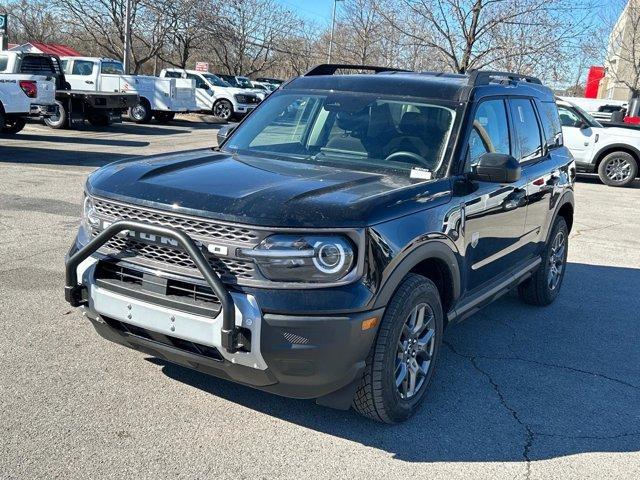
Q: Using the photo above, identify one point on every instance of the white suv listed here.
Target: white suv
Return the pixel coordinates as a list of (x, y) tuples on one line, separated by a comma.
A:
[(611, 152), (216, 96)]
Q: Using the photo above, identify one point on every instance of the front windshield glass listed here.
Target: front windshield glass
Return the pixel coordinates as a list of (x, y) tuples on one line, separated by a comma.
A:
[(244, 82), (347, 129), (215, 81), (590, 120)]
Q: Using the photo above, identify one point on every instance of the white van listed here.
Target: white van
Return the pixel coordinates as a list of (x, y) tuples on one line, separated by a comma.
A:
[(160, 98), (214, 95)]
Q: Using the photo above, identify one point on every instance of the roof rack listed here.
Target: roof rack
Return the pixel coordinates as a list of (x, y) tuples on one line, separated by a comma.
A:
[(332, 68), (484, 77)]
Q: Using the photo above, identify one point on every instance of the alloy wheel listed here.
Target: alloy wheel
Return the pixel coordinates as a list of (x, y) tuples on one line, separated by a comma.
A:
[(618, 169), (556, 260), (415, 351)]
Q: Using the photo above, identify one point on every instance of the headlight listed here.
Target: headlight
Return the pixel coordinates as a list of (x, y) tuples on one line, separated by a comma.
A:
[(90, 219), (241, 98), (303, 258)]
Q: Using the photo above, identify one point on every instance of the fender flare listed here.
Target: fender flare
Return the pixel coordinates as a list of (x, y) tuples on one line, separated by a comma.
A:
[(566, 198), (611, 147), (436, 249)]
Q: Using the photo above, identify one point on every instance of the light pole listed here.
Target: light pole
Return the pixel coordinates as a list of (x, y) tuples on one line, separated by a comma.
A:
[(127, 37), (333, 27)]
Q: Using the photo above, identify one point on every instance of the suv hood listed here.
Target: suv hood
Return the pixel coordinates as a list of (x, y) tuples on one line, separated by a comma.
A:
[(235, 90), (260, 191), (617, 132)]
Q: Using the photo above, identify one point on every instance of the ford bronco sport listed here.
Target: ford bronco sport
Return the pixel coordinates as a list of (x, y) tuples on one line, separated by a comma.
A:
[(322, 248)]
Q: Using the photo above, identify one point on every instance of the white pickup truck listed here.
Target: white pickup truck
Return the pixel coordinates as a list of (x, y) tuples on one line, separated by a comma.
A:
[(22, 96), (611, 152), (160, 98), (216, 96)]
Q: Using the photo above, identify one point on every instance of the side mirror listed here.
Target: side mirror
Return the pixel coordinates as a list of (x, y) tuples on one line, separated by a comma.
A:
[(497, 168), (224, 132), (582, 125)]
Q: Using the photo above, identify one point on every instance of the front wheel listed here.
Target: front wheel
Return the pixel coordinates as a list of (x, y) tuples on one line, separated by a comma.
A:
[(402, 359), (223, 109), (13, 126), (59, 119), (543, 287), (618, 169)]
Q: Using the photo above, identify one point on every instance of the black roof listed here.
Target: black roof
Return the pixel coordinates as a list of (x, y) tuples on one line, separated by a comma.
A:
[(433, 85)]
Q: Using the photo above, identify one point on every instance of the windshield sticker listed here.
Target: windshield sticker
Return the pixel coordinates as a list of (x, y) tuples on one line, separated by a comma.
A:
[(420, 173)]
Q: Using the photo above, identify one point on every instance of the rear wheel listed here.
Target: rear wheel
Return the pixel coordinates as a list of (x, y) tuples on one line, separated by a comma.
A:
[(618, 169), (164, 117), (223, 109), (543, 287), (141, 112), (59, 119), (402, 360), (13, 126)]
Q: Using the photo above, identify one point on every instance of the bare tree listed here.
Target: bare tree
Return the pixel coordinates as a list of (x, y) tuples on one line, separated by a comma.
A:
[(33, 20), (468, 34), (359, 31)]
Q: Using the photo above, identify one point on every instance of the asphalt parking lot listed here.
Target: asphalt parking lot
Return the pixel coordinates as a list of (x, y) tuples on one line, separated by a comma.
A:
[(520, 392)]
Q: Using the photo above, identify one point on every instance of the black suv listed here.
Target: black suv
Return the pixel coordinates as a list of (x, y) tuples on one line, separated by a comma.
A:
[(322, 249)]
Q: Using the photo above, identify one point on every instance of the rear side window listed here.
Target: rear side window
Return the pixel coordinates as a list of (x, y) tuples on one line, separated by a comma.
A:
[(173, 75), (112, 68), (526, 129), (490, 133), (551, 123), (4, 61), (82, 67)]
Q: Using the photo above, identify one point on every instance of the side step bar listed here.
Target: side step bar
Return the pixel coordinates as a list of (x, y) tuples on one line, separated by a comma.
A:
[(74, 293)]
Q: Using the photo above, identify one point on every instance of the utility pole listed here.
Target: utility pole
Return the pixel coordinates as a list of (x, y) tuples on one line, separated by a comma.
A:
[(333, 27), (127, 37)]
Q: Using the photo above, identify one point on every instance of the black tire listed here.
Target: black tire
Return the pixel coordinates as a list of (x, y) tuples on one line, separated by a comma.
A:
[(538, 290), (13, 126), (3, 118), (141, 112), (618, 169), (378, 396), (60, 120), (164, 117), (223, 109), (99, 120)]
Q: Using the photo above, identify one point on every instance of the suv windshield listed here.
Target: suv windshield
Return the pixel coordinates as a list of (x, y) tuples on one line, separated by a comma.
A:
[(244, 82), (215, 81), (347, 129)]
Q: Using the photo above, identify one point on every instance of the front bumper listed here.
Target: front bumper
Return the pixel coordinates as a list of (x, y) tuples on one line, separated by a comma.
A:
[(245, 108), (300, 356)]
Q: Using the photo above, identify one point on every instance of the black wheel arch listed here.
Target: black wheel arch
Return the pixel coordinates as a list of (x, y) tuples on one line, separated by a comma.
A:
[(434, 259), (616, 147), (565, 208)]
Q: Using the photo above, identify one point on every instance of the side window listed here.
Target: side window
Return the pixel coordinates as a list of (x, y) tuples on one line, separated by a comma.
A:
[(526, 129), (4, 61), (199, 82), (173, 75), (568, 117), (490, 133), (82, 67), (550, 123)]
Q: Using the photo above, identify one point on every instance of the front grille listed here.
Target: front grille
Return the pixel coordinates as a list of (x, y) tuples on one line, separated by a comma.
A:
[(228, 269), (203, 228), (163, 257)]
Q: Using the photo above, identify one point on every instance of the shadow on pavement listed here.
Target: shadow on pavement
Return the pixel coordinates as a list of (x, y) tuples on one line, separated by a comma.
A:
[(514, 383), (112, 142), (45, 156)]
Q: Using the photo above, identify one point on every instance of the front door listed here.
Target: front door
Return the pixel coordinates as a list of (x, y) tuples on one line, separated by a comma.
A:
[(578, 135), (495, 213)]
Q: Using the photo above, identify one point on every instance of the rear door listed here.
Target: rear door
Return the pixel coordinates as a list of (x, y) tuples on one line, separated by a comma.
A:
[(495, 212)]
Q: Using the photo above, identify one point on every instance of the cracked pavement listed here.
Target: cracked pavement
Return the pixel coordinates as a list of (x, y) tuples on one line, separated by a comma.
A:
[(520, 392)]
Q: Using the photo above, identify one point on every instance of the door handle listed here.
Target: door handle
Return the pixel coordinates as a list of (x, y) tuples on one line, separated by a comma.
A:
[(514, 200)]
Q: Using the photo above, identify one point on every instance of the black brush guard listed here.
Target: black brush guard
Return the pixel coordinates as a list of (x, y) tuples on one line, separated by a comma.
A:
[(74, 293)]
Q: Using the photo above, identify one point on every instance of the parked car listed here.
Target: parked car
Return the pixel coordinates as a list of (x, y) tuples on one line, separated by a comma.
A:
[(272, 81), (73, 107), (323, 255), (159, 98), (244, 83), (613, 153), (21, 97), (214, 95)]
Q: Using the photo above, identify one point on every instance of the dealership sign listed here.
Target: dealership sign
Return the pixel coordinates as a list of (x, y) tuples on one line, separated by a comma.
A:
[(202, 67), (3, 23)]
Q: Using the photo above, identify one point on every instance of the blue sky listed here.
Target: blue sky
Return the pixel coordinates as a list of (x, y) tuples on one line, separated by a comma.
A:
[(317, 10)]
